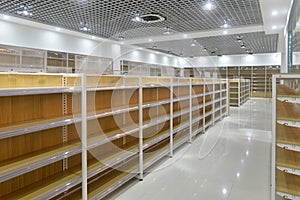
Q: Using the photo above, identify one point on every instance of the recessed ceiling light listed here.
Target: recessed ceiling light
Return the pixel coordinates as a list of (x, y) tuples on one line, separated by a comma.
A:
[(167, 31), (24, 10), (204, 49), (84, 27), (150, 40), (93, 37), (243, 46), (193, 43), (225, 25), (224, 191), (185, 36), (137, 18), (58, 29), (121, 37), (208, 5), (274, 27), (274, 13), (225, 32)]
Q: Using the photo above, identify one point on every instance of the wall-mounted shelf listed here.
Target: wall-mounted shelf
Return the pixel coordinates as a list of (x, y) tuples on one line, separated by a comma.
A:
[(286, 140)]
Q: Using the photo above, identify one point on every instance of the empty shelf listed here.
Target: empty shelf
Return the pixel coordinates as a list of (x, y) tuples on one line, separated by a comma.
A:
[(288, 134), (288, 111), (285, 91), (287, 183), (288, 158)]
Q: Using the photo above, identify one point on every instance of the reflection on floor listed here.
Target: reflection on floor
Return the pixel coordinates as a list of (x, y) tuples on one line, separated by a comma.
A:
[(231, 161)]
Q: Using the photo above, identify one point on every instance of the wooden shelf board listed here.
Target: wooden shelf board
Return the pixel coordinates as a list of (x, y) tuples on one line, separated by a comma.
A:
[(285, 91), (287, 111), (288, 134), (287, 183)]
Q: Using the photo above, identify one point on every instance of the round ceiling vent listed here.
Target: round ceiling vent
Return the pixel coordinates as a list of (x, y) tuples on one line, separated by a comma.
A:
[(149, 18)]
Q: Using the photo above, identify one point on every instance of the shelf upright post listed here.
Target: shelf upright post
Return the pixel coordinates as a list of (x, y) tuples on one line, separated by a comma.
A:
[(65, 112), (213, 101), (171, 117), (239, 92), (191, 112), (141, 159), (227, 95), (204, 108), (84, 137), (273, 166)]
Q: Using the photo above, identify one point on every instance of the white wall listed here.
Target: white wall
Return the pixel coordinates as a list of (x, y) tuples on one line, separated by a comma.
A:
[(234, 60), (34, 35), (41, 38)]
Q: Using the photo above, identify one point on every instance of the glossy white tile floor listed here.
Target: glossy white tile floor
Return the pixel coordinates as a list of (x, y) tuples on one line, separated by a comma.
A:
[(231, 161)]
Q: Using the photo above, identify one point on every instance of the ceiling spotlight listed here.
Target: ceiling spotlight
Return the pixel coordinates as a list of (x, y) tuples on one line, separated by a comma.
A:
[(137, 18), (243, 46), (185, 36), (250, 53), (121, 37), (193, 43), (204, 49), (181, 54), (167, 31), (84, 27), (24, 10), (154, 46), (208, 5), (225, 25), (225, 32), (213, 52), (150, 40)]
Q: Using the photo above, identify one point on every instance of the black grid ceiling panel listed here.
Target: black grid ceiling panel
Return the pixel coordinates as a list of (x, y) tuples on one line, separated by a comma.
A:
[(111, 18), (257, 42)]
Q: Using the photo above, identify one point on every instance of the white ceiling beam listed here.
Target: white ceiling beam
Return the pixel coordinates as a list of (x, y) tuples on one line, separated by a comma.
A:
[(200, 34)]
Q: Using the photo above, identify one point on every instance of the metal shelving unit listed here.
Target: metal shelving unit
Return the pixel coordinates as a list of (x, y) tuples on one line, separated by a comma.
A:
[(239, 90), (286, 137), (95, 133)]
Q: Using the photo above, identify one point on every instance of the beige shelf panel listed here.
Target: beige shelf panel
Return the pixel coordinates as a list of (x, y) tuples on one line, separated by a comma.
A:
[(288, 134), (287, 183), (287, 158), (287, 111), (285, 91)]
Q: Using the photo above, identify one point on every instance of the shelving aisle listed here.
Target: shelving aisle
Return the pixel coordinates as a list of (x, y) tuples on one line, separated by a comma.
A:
[(127, 125), (230, 161), (286, 140), (239, 91)]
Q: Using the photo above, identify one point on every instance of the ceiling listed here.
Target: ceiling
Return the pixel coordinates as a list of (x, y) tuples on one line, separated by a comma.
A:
[(256, 42), (113, 19)]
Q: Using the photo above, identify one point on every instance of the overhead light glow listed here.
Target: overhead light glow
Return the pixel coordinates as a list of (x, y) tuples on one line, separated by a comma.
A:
[(6, 17), (167, 31), (185, 36), (58, 29), (137, 18), (274, 27), (24, 10), (150, 40), (209, 5), (274, 13), (243, 46), (93, 37), (224, 191), (225, 32)]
